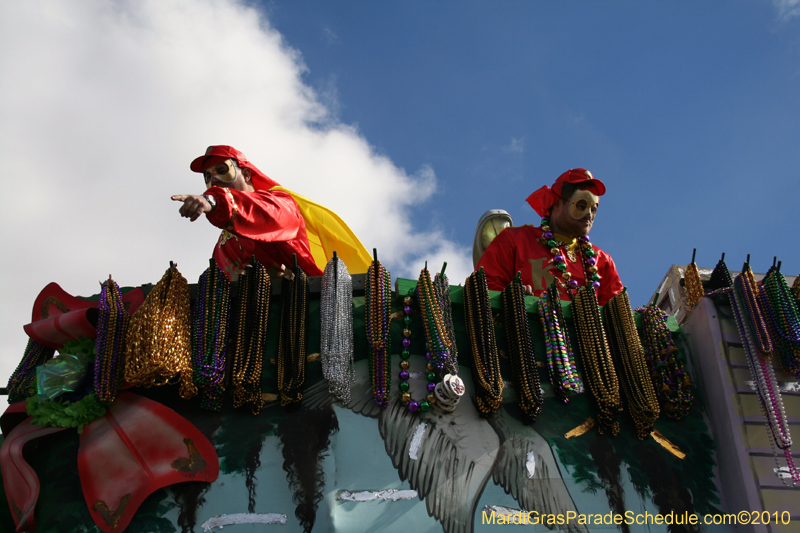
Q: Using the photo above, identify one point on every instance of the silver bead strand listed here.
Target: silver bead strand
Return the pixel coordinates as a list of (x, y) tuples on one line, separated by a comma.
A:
[(336, 329)]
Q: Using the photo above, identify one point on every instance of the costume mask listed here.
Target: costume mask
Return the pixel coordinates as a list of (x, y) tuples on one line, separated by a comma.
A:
[(582, 203), (224, 171)]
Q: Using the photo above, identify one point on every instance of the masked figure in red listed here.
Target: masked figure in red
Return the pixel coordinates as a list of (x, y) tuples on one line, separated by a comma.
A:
[(255, 220), (559, 249)]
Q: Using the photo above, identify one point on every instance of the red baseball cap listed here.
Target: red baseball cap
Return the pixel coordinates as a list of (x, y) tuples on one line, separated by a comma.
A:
[(579, 175), (215, 154), (543, 199)]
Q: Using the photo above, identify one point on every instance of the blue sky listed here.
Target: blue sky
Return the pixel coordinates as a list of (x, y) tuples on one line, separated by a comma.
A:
[(409, 119), (687, 110)]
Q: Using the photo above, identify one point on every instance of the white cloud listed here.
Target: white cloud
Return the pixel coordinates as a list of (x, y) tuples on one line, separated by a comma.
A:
[(787, 8), (103, 105)]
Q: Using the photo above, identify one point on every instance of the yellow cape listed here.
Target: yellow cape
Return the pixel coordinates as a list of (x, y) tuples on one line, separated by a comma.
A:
[(328, 233)]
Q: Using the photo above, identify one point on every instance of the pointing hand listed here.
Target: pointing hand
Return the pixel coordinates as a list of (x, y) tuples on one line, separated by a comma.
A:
[(193, 206)]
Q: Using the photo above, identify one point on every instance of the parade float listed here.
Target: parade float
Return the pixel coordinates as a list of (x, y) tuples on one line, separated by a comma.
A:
[(359, 402)]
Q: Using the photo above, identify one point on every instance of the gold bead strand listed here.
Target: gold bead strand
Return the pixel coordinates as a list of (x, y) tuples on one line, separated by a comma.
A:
[(600, 377), (158, 346), (254, 287), (629, 355), (520, 350), (291, 340), (694, 286), (486, 359)]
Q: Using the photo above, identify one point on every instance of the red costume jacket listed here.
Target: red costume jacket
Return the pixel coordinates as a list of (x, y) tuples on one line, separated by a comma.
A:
[(519, 249), (266, 224)]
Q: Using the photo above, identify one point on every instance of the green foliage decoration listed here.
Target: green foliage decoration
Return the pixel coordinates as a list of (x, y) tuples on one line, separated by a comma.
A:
[(64, 414)]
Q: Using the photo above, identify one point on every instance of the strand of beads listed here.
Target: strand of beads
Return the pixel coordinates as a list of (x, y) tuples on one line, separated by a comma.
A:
[(754, 318), (720, 276), (405, 353), (480, 329), (112, 328), (377, 304), (667, 373), (600, 375), (520, 350), (694, 286), (442, 287), (560, 359), (588, 257), (255, 287), (589, 263), (292, 337), (640, 397), (450, 389), (22, 383), (210, 319), (744, 290), (336, 329), (784, 320), (437, 342), (159, 342), (404, 376), (443, 395)]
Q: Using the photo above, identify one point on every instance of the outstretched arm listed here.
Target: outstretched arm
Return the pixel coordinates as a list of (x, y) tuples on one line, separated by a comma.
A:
[(193, 206), (265, 216)]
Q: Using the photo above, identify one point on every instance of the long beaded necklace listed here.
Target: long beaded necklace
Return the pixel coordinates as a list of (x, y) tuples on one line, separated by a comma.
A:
[(640, 396), (667, 373), (159, 342), (443, 394), (560, 249), (480, 328), (694, 286), (747, 291), (449, 391), (336, 329), (521, 354), (784, 320), (720, 276), (112, 328), (438, 340), (433, 340), (441, 286), (22, 383), (377, 304), (292, 337), (743, 292), (210, 335), (405, 353), (255, 288), (600, 375), (560, 359)]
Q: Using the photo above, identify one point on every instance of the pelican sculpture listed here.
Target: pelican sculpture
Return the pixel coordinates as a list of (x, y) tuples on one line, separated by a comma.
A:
[(449, 457)]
